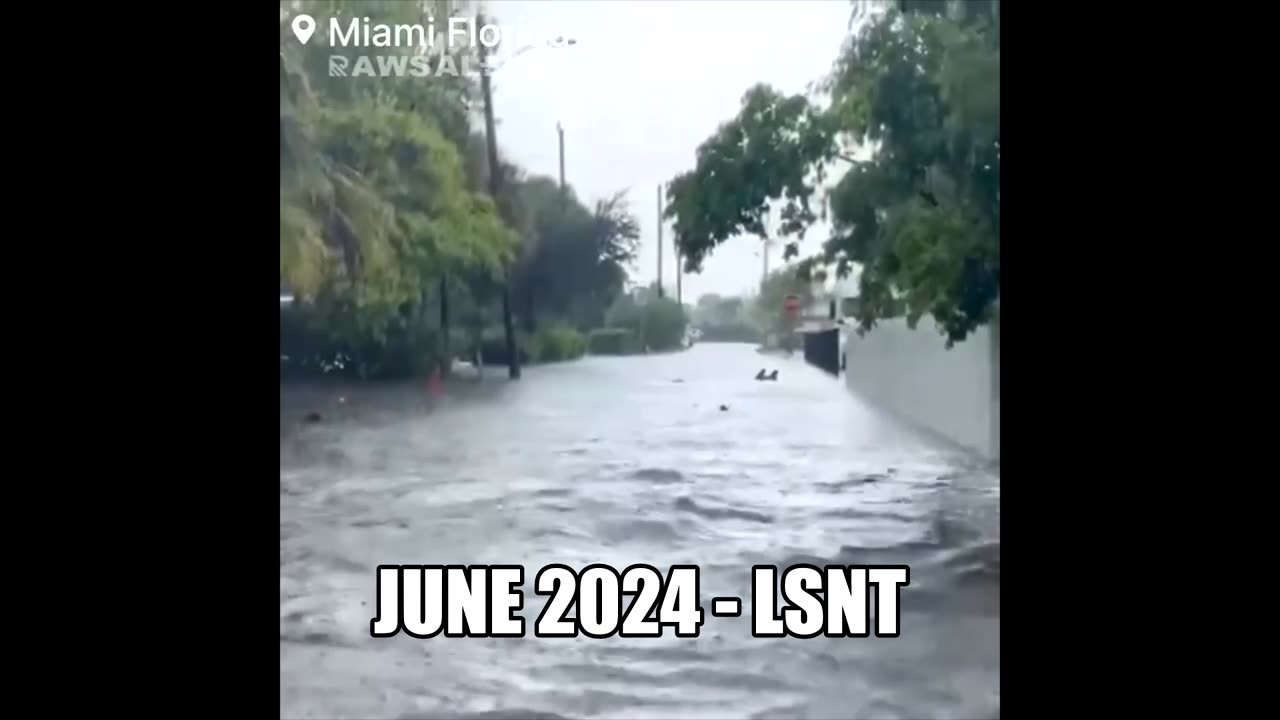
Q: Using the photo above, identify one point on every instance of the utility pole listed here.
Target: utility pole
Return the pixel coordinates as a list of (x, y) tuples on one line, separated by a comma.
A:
[(764, 275), (675, 248), (444, 320), (764, 251), (679, 270), (660, 292), (564, 196), (495, 189)]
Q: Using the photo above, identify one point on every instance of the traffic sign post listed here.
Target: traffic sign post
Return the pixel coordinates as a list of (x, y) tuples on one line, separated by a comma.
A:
[(791, 307)]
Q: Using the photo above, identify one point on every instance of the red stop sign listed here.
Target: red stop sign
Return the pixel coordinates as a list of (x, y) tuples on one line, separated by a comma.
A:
[(791, 306)]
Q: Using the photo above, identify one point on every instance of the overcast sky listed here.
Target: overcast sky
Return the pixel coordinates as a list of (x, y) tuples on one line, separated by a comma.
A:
[(645, 84)]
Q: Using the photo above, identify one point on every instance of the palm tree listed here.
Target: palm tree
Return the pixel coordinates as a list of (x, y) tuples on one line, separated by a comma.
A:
[(327, 211)]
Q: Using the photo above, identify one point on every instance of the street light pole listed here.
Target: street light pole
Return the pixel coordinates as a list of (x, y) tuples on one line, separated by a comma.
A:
[(563, 195), (660, 290), (495, 189), (679, 271), (764, 250)]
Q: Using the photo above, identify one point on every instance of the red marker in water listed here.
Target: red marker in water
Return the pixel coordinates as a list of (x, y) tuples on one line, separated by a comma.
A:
[(434, 386)]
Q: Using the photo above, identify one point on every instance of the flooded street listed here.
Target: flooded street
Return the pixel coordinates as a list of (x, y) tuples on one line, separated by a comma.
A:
[(622, 461)]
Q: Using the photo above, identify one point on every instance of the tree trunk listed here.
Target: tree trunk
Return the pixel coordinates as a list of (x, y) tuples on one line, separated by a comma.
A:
[(530, 316), (508, 328), (444, 324)]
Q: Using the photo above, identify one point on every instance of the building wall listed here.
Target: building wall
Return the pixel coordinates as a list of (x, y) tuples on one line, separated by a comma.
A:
[(910, 374)]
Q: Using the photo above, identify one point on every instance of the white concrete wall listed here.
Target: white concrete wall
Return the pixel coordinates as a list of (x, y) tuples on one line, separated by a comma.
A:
[(910, 374)]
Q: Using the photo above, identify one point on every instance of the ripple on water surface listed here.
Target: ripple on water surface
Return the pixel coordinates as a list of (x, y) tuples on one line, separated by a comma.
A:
[(658, 475), (606, 460), (712, 512)]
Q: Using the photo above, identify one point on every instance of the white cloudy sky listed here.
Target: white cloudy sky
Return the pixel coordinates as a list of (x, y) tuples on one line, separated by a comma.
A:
[(647, 81)]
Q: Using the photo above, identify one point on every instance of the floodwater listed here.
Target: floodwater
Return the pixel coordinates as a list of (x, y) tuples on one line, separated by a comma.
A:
[(623, 461)]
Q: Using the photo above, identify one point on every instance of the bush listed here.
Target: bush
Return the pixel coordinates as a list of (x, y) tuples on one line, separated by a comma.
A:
[(493, 347), (555, 343), (309, 349), (664, 324), (612, 341), (656, 323), (551, 343)]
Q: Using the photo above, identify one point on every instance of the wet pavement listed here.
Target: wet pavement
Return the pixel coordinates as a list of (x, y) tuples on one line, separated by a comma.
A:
[(624, 461)]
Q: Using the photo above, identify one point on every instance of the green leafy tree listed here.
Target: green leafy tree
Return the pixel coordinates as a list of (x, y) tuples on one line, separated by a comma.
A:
[(575, 260), (726, 311), (917, 90), (654, 323), (388, 235), (724, 319), (760, 157), (378, 203)]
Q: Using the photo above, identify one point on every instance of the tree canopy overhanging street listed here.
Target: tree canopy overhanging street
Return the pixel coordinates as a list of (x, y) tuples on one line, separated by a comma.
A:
[(916, 91)]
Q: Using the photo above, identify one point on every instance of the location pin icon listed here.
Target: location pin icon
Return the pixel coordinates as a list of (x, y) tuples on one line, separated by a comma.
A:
[(303, 27)]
